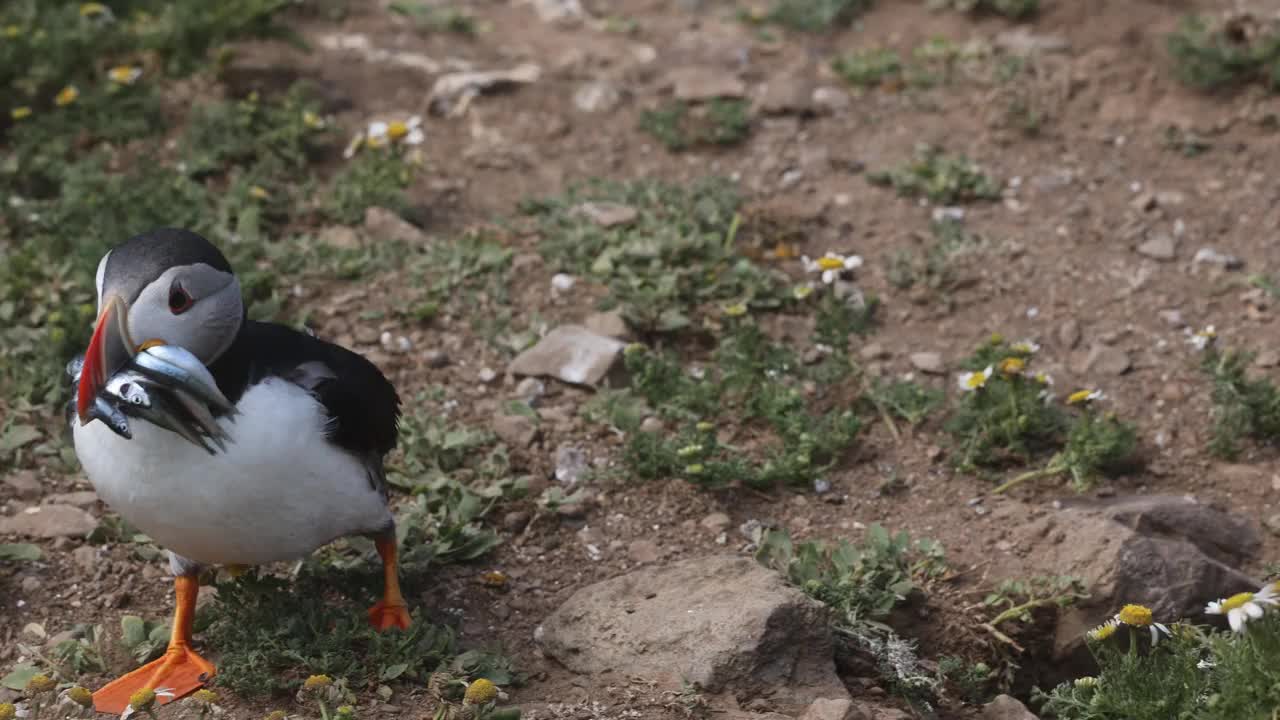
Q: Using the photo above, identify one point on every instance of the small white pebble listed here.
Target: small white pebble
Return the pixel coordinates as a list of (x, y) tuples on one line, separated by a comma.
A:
[(1120, 140), (1015, 181), (1033, 312), (385, 339), (562, 282), (487, 375), (1135, 187), (404, 344), (1179, 228)]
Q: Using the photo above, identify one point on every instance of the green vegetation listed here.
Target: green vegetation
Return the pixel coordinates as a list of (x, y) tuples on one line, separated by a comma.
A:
[(862, 584), (868, 68), (429, 17), (681, 126), (1222, 54), (1243, 407), (811, 15), (943, 179), (1012, 9)]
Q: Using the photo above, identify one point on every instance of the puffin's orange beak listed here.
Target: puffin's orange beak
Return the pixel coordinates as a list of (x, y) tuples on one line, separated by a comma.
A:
[(109, 350)]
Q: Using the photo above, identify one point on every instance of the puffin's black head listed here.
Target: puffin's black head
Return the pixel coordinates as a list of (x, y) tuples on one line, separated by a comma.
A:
[(168, 287)]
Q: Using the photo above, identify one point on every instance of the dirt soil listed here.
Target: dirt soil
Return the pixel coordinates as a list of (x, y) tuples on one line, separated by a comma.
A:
[(1062, 269)]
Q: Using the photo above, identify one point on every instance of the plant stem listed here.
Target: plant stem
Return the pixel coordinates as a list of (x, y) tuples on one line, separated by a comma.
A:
[(1053, 468), (1017, 610)]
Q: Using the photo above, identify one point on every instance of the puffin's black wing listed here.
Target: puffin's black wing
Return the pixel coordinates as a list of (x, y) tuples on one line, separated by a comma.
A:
[(361, 402)]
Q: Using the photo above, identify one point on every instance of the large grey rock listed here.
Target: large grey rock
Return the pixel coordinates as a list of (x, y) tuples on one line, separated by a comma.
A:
[(49, 521), (1171, 554), (722, 622), (570, 353), (1005, 707)]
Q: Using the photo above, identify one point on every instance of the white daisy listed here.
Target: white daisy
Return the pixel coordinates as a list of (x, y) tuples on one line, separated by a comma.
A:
[(1027, 347), (1202, 338), (970, 381), (1243, 607), (831, 265), (1139, 616)]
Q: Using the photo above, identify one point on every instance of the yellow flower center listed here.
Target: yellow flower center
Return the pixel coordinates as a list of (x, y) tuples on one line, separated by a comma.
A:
[(1136, 615), (41, 684), (122, 74), (1103, 631), (80, 696), (1012, 365), (312, 120), (12, 31), (397, 130), (479, 692), (831, 263), (802, 291), (8, 711), (736, 310), (259, 192), (1237, 601), (317, 681), (975, 380), (92, 9), (142, 699), (208, 697), (1078, 397), (66, 96), (19, 113)]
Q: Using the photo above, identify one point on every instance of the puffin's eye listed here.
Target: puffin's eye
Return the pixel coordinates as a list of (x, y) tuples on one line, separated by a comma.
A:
[(179, 300)]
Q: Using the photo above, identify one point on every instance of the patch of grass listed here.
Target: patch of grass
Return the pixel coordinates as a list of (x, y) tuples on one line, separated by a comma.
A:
[(862, 584), (678, 259), (375, 177), (1243, 407), (1012, 9), (1097, 445), (1005, 418), (943, 179), (434, 18), (813, 15), (282, 135), (1222, 54), (752, 382), (934, 267), (682, 126), (868, 68), (906, 400)]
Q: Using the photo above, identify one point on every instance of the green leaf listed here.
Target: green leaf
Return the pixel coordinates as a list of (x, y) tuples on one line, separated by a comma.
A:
[(20, 551), (18, 436), (20, 676), (133, 630), (392, 672)]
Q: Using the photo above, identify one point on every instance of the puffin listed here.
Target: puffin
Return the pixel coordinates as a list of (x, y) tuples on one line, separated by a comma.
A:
[(307, 428)]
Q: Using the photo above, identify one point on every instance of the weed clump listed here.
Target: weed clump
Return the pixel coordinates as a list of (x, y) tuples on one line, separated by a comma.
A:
[(1243, 407), (681, 126), (813, 15), (1218, 54), (943, 179), (1012, 9)]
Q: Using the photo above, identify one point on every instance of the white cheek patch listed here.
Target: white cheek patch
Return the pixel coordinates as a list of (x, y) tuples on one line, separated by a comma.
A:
[(102, 271)]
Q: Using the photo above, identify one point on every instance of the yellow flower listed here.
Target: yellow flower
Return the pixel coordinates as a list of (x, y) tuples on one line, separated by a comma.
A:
[(829, 262), (704, 426), (208, 697), (689, 450), (971, 381), (317, 681), (479, 692), (397, 129), (142, 700), (66, 96), (259, 192), (694, 469), (800, 292), (12, 31), (996, 339), (8, 711), (80, 696), (1084, 396), (1012, 365), (1135, 615), (40, 684), (736, 310), (275, 715), (20, 113), (1088, 681), (124, 74), (312, 120), (1243, 607), (93, 9), (344, 711), (1104, 631)]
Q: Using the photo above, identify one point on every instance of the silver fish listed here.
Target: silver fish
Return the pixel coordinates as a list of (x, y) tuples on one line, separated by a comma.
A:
[(176, 366), (129, 386), (203, 419), (166, 412), (111, 416), (74, 368)]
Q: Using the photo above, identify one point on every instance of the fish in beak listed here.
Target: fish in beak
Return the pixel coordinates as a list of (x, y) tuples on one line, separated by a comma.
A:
[(109, 351)]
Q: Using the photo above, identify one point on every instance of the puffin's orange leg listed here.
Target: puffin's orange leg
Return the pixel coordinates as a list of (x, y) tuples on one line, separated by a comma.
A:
[(180, 671), (390, 611)]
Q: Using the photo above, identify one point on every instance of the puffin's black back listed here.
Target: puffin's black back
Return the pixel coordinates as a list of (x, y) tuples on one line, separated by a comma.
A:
[(362, 402)]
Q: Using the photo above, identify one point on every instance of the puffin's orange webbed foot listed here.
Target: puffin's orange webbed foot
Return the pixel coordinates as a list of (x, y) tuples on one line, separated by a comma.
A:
[(390, 611), (178, 673)]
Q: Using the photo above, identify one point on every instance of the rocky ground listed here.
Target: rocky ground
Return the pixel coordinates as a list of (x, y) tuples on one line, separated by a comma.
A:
[(1108, 241)]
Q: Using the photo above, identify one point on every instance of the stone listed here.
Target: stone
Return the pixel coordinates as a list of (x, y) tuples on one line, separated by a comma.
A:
[(385, 225), (652, 425), (699, 84), (606, 214), (85, 557), (530, 390), (560, 12), (344, 237), (1023, 42), (829, 709), (515, 429), (81, 498), (25, 484), (570, 353), (1169, 553), (873, 351), (643, 552), (928, 362), (716, 522), (1160, 246), (1069, 334), (1267, 359), (831, 100), (786, 96), (1005, 707), (1173, 318), (597, 97), (1273, 524), (571, 464), (1106, 360), (516, 520), (452, 93), (609, 324), (49, 521), (436, 359), (1209, 256), (723, 622)]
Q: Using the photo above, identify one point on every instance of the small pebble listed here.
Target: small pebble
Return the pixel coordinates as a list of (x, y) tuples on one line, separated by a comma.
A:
[(562, 282), (487, 375)]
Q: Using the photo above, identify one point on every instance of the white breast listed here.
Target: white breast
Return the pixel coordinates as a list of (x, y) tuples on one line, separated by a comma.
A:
[(279, 491)]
